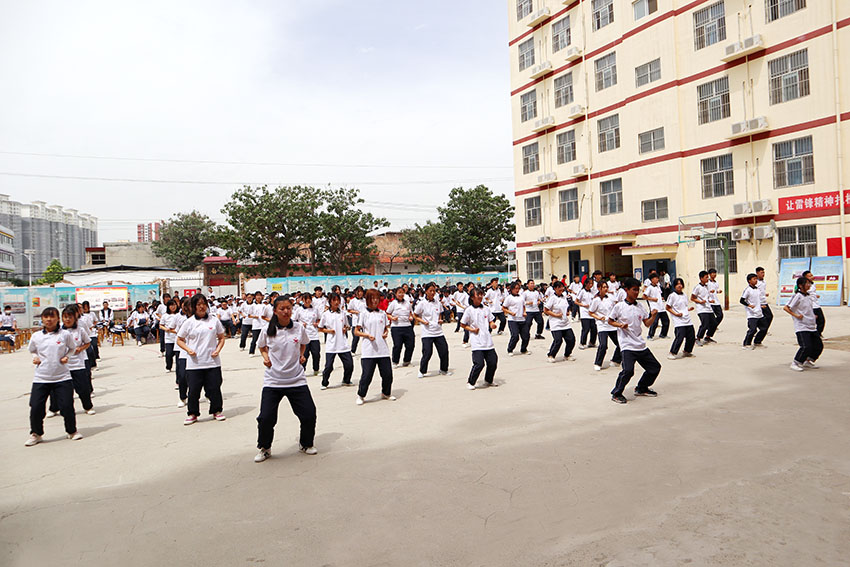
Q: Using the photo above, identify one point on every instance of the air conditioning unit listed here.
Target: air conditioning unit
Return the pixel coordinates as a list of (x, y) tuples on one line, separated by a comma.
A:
[(546, 178), (543, 123), (573, 53), (581, 234), (579, 169), (541, 69), (752, 44), (741, 233), (544, 238), (575, 111), (756, 125), (536, 17), (595, 233), (763, 232), (732, 51), (742, 209), (740, 129), (763, 206)]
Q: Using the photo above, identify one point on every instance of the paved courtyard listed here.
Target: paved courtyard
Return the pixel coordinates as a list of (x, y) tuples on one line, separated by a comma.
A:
[(739, 461)]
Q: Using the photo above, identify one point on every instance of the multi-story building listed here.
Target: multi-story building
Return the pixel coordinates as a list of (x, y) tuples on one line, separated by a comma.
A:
[(629, 114), (148, 232), (7, 252), (51, 231)]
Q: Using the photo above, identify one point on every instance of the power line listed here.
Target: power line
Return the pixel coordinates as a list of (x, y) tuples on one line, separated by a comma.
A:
[(261, 163), (232, 183)]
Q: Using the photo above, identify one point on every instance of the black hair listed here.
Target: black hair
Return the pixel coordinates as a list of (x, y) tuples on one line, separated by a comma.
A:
[(677, 281), (801, 281), (72, 311), (702, 274), (171, 303), (759, 269), (196, 299), (86, 304), (712, 271), (331, 298), (630, 283), (557, 284), (751, 276), (51, 312), (274, 324), (806, 273)]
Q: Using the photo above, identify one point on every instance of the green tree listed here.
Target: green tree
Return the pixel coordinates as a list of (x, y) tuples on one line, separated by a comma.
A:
[(185, 239), (344, 245), (424, 244), (271, 228), (53, 273)]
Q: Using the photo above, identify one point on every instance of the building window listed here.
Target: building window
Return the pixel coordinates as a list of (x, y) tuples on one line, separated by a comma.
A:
[(647, 73), (534, 259), (528, 105), (530, 158), (523, 8), (566, 147), (793, 163), (651, 141), (644, 8), (714, 253), (798, 241), (563, 90), (789, 77), (709, 25), (560, 34), (717, 179), (568, 204), (526, 54), (655, 209), (533, 214), (609, 133), (612, 196), (603, 13), (606, 71), (714, 100), (98, 259), (776, 9)]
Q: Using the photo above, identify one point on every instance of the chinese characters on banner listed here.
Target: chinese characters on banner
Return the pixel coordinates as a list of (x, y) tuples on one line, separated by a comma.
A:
[(816, 202)]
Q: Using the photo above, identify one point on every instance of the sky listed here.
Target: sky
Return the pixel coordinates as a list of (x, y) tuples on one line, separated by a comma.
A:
[(403, 100)]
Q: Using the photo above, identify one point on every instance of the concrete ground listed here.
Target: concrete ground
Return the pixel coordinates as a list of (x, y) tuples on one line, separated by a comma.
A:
[(739, 461)]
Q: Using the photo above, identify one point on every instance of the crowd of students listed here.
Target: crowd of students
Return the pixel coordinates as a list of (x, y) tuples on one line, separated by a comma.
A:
[(289, 332)]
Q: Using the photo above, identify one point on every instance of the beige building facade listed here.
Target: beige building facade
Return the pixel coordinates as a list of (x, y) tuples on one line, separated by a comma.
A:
[(628, 115)]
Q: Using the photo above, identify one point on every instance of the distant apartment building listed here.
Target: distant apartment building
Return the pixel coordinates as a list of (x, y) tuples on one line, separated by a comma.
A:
[(7, 252), (148, 232), (50, 231), (629, 114)]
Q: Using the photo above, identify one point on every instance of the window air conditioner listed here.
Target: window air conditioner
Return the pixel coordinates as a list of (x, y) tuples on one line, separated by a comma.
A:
[(543, 123), (741, 209), (579, 169), (541, 69), (575, 111), (763, 232), (546, 178), (741, 233)]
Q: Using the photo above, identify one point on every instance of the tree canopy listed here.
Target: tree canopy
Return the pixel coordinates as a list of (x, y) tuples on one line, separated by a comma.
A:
[(185, 239), (53, 273)]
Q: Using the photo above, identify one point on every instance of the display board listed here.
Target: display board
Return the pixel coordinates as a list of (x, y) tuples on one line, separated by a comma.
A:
[(828, 272), (116, 296), (304, 283)]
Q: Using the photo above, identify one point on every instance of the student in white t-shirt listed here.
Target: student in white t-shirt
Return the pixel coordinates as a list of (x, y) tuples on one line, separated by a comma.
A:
[(818, 310), (427, 313), (574, 289), (77, 359), (532, 298), (356, 306), (654, 296), (334, 324), (309, 318), (282, 343), (713, 291), (600, 308), (400, 314), (801, 308), (627, 316), (245, 309), (493, 298), (202, 337), (588, 325), (757, 325), (479, 321), (557, 308), (702, 297), (683, 328), (51, 348), (514, 308), (374, 327), (181, 356), (168, 328)]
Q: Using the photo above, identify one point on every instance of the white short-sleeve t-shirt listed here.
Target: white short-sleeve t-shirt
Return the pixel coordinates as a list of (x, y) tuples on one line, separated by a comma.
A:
[(402, 310), (50, 348), (802, 304), (201, 336), (679, 304), (532, 300), (285, 355), (701, 292), (336, 320), (306, 317), (480, 318), (374, 323), (634, 315), (516, 305), (752, 297), (80, 337), (559, 304), (430, 311), (585, 297), (602, 307)]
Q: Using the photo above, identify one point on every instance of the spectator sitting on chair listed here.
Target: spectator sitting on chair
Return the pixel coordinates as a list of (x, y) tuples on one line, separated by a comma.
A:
[(139, 323)]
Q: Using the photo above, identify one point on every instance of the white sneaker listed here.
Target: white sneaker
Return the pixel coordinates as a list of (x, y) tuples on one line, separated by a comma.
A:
[(467, 345), (528, 352), (181, 404), (75, 436), (597, 367), (511, 354), (315, 373), (550, 359), (262, 455), (420, 375), (360, 401), (569, 358), (700, 342), (138, 344), (581, 347), (396, 365), (91, 412), (615, 363), (388, 398), (323, 387), (672, 356), (470, 386), (52, 413), (747, 347), (33, 440), (447, 373), (810, 364), (796, 367), (308, 450), (688, 355), (190, 420), (220, 417)]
